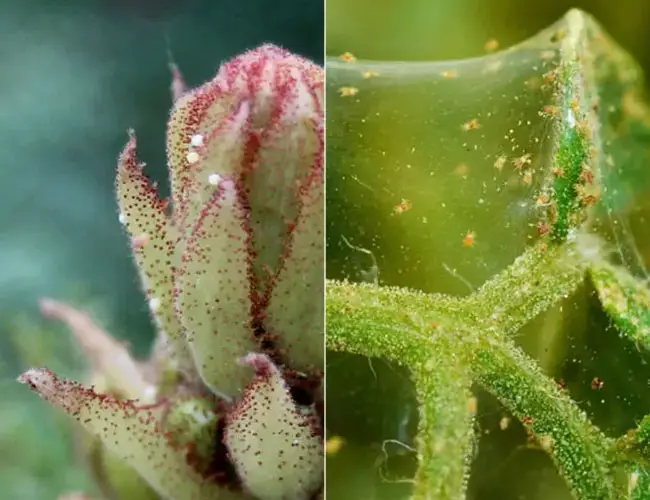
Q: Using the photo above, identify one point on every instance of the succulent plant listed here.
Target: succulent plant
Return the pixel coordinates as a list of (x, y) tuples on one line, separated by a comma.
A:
[(230, 403)]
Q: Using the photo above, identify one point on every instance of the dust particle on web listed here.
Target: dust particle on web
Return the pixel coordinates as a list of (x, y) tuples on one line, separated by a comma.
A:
[(500, 162), (450, 73), (403, 206), (347, 57), (370, 74), (473, 124), (528, 178), (542, 200)]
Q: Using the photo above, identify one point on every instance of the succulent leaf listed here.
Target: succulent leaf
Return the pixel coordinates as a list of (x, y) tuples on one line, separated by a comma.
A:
[(273, 443), (154, 240), (133, 433), (298, 318), (213, 294)]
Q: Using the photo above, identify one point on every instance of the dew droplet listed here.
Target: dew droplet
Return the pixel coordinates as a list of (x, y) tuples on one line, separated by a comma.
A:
[(214, 179), (192, 157), (154, 304), (571, 119), (196, 140)]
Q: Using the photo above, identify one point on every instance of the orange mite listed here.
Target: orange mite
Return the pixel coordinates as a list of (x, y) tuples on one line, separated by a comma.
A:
[(348, 57), (543, 228), (542, 200), (403, 206), (597, 384), (450, 73), (470, 239), (471, 125)]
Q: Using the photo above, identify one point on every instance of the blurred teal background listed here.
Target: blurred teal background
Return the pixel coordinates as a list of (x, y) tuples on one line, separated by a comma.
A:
[(75, 76)]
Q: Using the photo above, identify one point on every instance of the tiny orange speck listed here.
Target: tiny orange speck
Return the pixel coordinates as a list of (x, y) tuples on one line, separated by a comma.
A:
[(470, 239), (491, 45), (450, 73), (403, 206), (597, 384), (348, 57), (500, 162), (473, 124)]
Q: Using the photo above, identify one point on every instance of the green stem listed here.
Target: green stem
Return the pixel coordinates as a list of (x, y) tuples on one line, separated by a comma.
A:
[(374, 321), (578, 448), (443, 355), (542, 276)]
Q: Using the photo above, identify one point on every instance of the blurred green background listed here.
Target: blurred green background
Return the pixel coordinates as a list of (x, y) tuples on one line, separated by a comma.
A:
[(398, 142), (76, 74), (423, 30)]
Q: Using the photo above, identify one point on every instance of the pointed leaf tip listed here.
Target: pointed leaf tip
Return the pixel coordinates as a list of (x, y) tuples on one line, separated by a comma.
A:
[(276, 448), (153, 239), (108, 357), (133, 433)]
